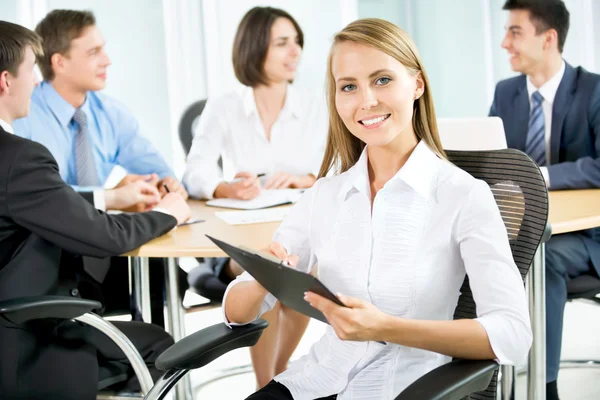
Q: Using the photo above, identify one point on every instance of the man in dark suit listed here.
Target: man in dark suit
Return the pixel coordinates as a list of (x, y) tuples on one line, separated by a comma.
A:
[(74, 66), (552, 112), (45, 227)]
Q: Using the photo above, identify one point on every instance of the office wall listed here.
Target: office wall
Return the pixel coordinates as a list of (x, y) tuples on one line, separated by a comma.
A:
[(9, 11)]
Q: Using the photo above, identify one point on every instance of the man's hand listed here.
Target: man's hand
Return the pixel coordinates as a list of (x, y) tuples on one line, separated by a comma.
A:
[(173, 185), (130, 178), (175, 205), (136, 196), (245, 186), (359, 320)]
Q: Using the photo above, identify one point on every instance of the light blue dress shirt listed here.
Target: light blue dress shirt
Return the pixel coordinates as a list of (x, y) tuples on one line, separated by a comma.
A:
[(114, 135)]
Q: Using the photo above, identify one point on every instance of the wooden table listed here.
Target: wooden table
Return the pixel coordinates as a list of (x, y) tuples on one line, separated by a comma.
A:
[(190, 241), (574, 210)]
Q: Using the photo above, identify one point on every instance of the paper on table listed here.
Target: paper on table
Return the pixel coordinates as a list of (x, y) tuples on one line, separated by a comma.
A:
[(253, 216), (267, 198)]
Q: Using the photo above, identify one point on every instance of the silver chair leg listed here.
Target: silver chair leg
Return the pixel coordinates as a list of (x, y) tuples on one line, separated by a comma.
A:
[(164, 384), (134, 357), (536, 279), (175, 322), (507, 382), (140, 267)]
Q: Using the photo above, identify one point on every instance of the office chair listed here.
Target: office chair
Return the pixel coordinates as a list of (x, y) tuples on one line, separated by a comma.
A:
[(520, 192), (583, 288), (186, 124), (204, 271)]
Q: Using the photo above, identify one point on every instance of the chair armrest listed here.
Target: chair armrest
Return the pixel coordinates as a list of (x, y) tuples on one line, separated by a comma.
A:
[(547, 233), (24, 309), (452, 381), (200, 348)]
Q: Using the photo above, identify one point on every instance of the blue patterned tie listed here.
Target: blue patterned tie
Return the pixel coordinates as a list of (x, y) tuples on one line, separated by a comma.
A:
[(535, 146), (84, 158)]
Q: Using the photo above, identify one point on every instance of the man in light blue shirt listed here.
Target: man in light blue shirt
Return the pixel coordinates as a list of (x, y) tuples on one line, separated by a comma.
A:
[(72, 77), (88, 134)]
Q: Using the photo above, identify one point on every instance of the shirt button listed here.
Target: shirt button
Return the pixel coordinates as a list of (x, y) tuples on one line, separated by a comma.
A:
[(75, 292)]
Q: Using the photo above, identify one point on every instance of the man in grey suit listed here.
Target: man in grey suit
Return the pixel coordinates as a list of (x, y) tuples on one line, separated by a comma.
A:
[(45, 229), (552, 112)]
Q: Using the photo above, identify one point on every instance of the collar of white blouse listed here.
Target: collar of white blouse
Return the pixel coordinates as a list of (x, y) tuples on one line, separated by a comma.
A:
[(291, 107), (418, 172)]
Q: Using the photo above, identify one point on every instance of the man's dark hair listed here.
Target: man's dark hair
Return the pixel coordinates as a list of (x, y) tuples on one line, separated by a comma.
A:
[(252, 43), (545, 15), (57, 30), (14, 39)]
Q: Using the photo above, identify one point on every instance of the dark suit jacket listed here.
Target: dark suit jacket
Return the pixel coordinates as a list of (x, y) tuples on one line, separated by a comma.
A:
[(44, 226), (575, 135)]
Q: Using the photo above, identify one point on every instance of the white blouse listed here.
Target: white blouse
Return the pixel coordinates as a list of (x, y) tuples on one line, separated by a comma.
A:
[(230, 126), (431, 224)]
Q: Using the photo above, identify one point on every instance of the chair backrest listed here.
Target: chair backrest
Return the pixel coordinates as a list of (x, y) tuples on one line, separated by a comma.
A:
[(186, 125), (472, 133), (520, 192)]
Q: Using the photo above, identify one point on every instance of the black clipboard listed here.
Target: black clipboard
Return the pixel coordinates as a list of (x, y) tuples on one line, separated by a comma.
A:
[(285, 283)]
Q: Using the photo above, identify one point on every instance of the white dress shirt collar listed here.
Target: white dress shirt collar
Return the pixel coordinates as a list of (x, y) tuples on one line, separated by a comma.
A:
[(418, 172), (6, 126), (291, 106), (547, 90)]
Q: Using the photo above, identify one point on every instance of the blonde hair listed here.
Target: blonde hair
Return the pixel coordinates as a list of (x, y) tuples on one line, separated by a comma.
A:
[(344, 149)]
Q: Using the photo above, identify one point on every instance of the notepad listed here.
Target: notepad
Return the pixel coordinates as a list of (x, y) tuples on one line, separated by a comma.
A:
[(253, 216), (267, 198)]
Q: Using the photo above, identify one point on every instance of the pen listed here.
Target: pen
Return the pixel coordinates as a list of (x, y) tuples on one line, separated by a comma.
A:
[(241, 179), (167, 188)]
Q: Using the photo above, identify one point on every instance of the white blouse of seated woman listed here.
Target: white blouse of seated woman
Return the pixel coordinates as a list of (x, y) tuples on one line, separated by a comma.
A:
[(396, 231)]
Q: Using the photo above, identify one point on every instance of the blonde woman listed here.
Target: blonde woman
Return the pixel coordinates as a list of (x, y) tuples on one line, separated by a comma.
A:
[(394, 232)]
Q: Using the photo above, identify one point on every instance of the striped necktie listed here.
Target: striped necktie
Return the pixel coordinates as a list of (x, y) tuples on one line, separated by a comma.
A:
[(84, 158), (535, 146)]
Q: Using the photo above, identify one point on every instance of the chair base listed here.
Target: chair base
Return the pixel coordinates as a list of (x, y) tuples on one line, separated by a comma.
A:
[(215, 376), (108, 395), (571, 364)]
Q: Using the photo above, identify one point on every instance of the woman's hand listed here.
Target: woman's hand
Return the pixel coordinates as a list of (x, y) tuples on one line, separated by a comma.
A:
[(245, 186), (279, 251), (283, 180), (359, 321)]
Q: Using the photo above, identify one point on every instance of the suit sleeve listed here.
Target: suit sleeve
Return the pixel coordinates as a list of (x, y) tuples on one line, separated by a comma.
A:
[(41, 202), (585, 172), (88, 196)]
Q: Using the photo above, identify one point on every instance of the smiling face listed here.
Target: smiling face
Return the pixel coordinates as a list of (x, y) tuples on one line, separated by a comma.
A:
[(374, 94), (526, 49), (284, 52), (84, 66)]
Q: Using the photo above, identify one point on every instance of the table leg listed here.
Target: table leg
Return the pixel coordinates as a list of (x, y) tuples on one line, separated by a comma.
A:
[(536, 373), (176, 321), (140, 290)]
